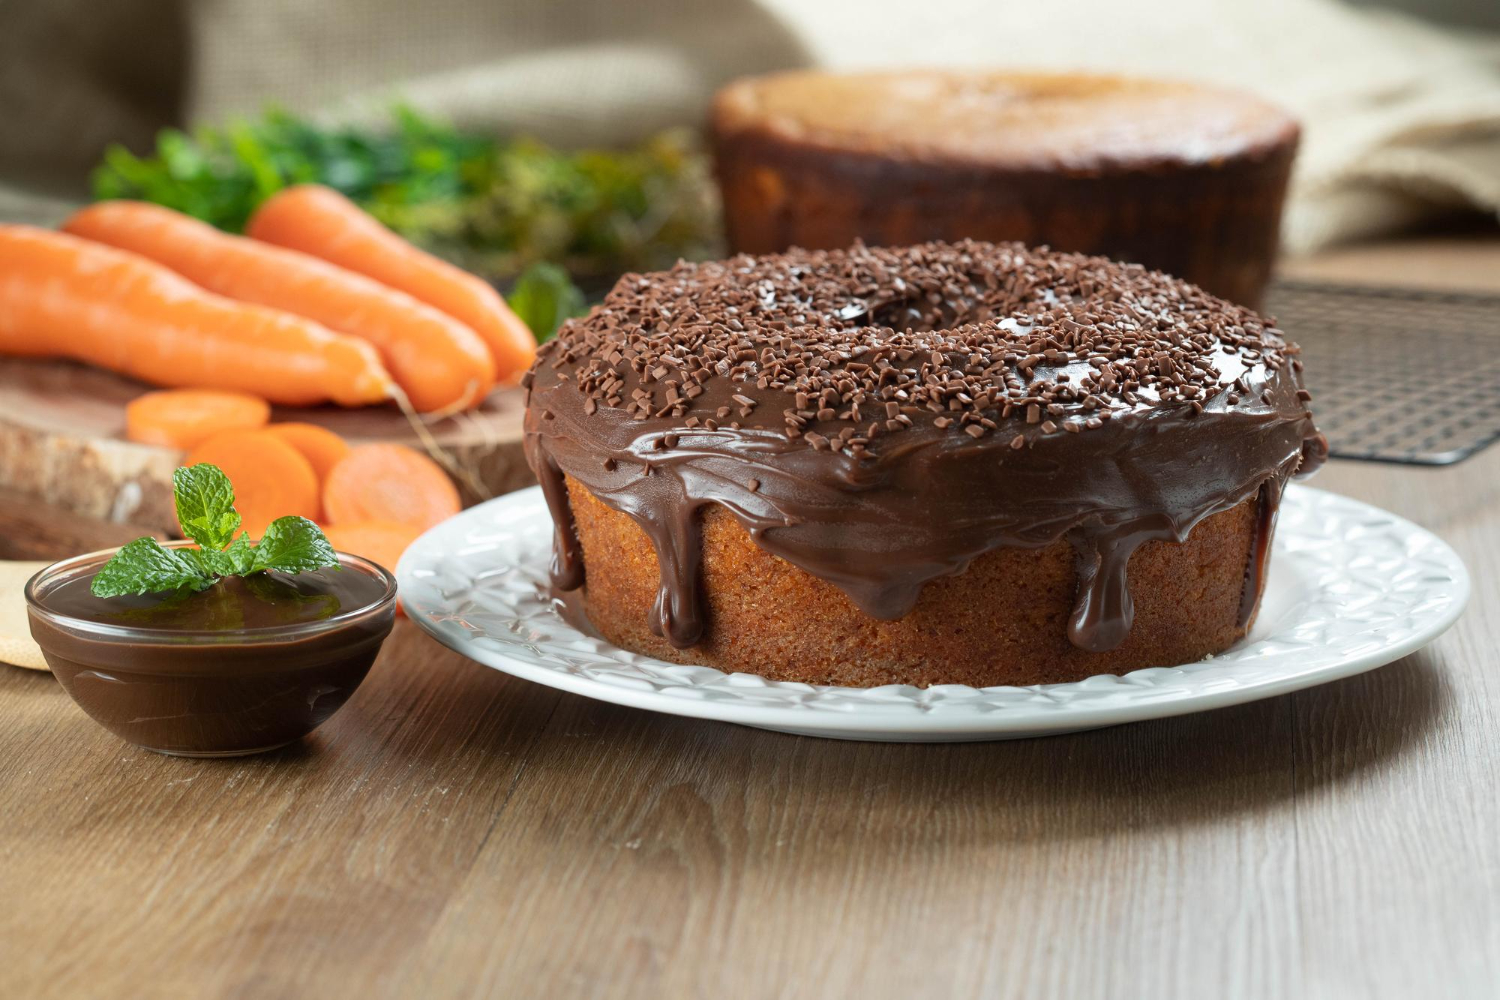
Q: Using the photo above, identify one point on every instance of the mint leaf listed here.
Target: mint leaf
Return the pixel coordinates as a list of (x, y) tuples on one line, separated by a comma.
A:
[(145, 567), (205, 505), (293, 544)]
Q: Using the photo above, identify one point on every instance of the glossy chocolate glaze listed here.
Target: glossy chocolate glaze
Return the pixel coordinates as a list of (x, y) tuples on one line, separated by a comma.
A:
[(236, 602), (879, 521)]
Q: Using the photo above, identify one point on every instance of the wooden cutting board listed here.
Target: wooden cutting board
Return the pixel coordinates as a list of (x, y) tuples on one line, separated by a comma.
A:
[(62, 427)]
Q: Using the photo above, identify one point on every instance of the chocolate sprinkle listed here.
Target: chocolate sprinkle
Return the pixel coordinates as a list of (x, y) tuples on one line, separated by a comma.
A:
[(952, 335)]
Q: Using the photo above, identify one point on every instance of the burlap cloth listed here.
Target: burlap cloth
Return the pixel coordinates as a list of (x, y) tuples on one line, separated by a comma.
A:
[(1402, 119)]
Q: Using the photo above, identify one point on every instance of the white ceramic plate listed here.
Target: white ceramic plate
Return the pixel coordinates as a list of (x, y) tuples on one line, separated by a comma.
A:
[(1351, 588)]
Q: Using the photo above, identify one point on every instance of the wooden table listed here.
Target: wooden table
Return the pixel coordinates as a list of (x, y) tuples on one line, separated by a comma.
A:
[(455, 832)]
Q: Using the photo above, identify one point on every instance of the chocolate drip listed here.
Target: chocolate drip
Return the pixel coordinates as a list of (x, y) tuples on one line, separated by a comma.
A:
[(1139, 456), (567, 555), (1103, 612), (1260, 548), (677, 615)]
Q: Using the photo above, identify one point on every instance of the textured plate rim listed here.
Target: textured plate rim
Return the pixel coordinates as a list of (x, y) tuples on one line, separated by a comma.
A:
[(874, 719)]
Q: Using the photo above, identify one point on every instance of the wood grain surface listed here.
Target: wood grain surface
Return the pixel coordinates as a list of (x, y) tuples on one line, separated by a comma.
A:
[(454, 832)]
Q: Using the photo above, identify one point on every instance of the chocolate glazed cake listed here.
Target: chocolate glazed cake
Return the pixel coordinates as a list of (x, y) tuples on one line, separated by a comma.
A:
[(1184, 178), (967, 463)]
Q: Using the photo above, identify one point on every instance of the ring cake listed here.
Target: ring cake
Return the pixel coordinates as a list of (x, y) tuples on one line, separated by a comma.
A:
[(947, 463)]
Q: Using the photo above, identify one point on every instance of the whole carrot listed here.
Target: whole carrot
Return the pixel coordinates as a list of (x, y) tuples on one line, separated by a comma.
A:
[(61, 296), (440, 363), (320, 221)]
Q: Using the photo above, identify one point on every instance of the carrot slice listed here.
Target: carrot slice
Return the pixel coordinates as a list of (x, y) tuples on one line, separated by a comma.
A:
[(65, 297), (438, 361), (319, 445), (271, 478), (378, 541), (320, 221), (389, 482), (183, 418)]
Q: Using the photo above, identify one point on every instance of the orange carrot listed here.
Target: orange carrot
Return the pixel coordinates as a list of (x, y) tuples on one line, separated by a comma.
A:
[(65, 297), (182, 418), (378, 541), (389, 482), (319, 445), (439, 362), (322, 222), (271, 478)]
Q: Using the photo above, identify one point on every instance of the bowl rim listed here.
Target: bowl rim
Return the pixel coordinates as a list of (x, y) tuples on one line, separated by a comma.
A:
[(69, 568)]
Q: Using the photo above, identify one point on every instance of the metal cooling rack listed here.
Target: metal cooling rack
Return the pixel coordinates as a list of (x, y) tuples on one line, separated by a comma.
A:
[(1397, 375)]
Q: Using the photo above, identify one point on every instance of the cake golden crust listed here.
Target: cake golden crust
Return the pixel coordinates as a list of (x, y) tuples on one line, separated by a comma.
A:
[(1183, 178), (1064, 122), (1001, 621)]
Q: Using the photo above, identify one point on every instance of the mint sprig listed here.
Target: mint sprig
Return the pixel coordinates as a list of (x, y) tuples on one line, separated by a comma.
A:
[(205, 510)]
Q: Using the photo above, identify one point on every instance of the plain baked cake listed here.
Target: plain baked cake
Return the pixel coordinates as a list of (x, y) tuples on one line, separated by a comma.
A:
[(1184, 178)]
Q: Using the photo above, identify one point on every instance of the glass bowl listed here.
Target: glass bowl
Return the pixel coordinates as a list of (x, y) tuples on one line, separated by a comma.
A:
[(209, 693)]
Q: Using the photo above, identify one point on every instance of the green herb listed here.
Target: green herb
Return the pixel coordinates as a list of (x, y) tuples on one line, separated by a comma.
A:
[(493, 205), (205, 510), (221, 175), (543, 296)]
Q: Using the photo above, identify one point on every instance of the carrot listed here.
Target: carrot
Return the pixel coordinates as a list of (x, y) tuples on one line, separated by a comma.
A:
[(439, 362), (182, 418), (65, 297), (320, 221), (389, 482), (320, 446), (378, 541), (271, 478)]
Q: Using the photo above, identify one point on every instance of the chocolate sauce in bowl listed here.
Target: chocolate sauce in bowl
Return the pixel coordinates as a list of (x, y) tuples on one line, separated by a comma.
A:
[(248, 664)]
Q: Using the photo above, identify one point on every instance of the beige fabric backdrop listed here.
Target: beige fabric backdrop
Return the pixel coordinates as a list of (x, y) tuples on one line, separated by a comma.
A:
[(1402, 119)]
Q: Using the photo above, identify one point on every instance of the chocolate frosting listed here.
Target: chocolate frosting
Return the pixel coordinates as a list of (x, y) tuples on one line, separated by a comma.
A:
[(880, 418)]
